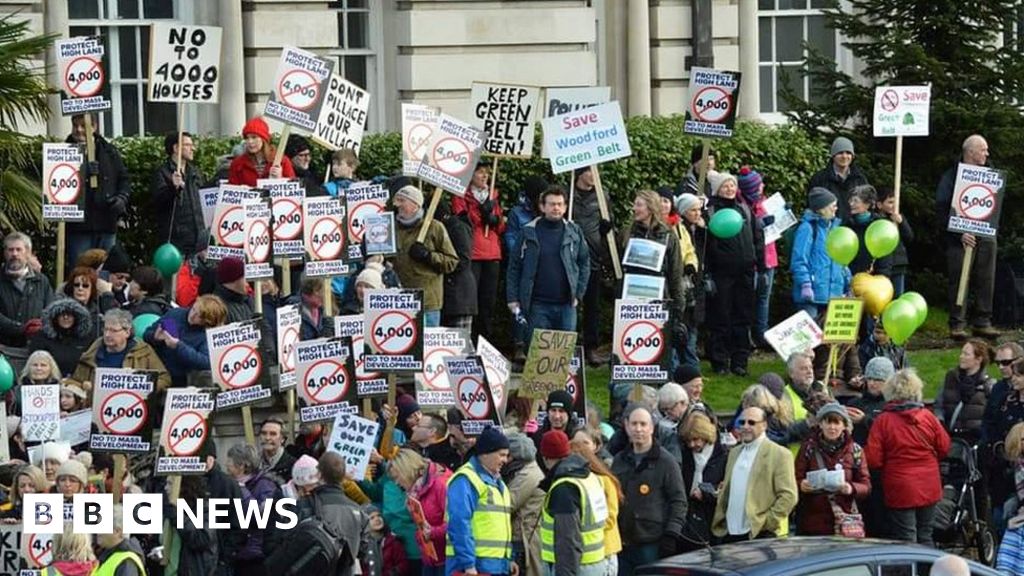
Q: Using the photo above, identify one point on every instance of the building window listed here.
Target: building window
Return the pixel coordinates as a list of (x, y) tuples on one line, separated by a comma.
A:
[(123, 26), (784, 27), (359, 33)]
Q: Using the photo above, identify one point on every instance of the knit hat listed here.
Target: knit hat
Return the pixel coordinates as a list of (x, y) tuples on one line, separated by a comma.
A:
[(75, 391), (532, 189), (819, 198), (370, 510), (491, 440), (85, 457), (407, 406), (371, 276), (749, 182), (879, 368), (75, 469), (410, 193), (296, 145), (305, 472), (55, 451), (666, 192), (12, 425), (521, 448), (841, 144), (686, 202), (554, 445), (717, 179), (686, 372), (258, 127), (117, 261), (560, 399), (774, 383), (833, 408), (230, 269)]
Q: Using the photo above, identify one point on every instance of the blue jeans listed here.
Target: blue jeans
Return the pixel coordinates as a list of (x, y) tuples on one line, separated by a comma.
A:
[(763, 282), (551, 317), (432, 570), (899, 284), (690, 351), (79, 242), (635, 556), (431, 318)]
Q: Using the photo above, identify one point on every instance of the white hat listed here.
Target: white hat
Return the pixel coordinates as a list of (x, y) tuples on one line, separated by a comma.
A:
[(305, 472), (717, 179)]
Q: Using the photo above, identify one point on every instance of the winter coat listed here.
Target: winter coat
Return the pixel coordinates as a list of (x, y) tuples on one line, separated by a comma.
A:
[(1005, 408), (586, 214), (771, 254), (771, 490), (871, 405), (191, 354), (157, 304), (907, 442), (18, 306), (828, 178), (429, 277), (66, 346), (309, 329), (460, 292), (518, 217), (197, 555), (810, 263), (972, 391), (390, 498), (385, 556), (814, 511), (239, 305), (486, 239), (701, 512), (139, 356), (564, 504), (188, 228), (431, 491), (527, 501), (101, 204), (310, 181), (671, 266), (126, 567), (259, 488), (524, 259), (869, 349), (741, 253), (900, 260), (243, 170), (443, 453), (864, 261), (220, 485), (462, 504), (695, 310), (655, 499), (612, 538)]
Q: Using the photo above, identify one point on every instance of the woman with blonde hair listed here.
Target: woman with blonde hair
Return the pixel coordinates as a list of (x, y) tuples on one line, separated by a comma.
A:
[(583, 446), (28, 479), (781, 427), (703, 469), (40, 368), (72, 555), (179, 337), (426, 487)]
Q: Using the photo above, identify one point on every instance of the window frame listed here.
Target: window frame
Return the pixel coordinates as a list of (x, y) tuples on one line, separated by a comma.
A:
[(373, 54)]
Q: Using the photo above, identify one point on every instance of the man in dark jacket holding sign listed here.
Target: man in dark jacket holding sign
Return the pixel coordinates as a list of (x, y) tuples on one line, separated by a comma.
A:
[(983, 266)]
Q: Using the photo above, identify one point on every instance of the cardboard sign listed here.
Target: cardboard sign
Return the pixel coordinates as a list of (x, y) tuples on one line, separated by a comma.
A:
[(257, 240), (289, 324), (433, 387), (40, 412), (547, 363), (565, 100), (75, 428), (342, 115), (842, 321), (586, 137), (82, 75), (775, 205), (286, 199), (184, 63), (977, 200), (902, 110), (393, 330), (326, 378), (236, 364), (641, 350), (186, 428), (298, 90), (325, 237), (798, 333), (712, 102), (499, 371), (576, 386), (419, 124), (121, 410), (472, 393), (452, 155), (363, 201), (508, 115), (12, 559), (367, 383), (227, 232), (353, 438), (63, 200)]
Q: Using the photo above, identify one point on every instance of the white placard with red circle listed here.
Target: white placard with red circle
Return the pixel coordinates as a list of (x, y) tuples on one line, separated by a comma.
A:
[(977, 200), (187, 432), (711, 102), (452, 155), (121, 411), (472, 393), (640, 350), (298, 89), (289, 322), (235, 360), (323, 370), (324, 219), (393, 330), (257, 240), (419, 123), (186, 428), (37, 549), (82, 75), (62, 184)]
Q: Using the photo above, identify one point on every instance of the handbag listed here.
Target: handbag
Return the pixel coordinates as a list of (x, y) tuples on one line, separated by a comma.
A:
[(847, 524)]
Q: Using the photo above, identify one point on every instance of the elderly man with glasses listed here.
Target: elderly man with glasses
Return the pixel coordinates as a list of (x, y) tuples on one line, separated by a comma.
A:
[(119, 348)]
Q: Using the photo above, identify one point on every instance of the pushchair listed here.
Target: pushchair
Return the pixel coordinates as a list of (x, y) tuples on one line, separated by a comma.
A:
[(959, 524)]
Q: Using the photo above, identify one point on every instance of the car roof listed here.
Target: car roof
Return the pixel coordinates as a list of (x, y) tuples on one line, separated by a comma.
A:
[(757, 557)]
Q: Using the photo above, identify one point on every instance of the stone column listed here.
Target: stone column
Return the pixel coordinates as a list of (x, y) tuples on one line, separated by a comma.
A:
[(639, 65)]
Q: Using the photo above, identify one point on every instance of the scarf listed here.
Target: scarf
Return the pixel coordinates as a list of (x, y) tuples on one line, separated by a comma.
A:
[(700, 461), (410, 221), (832, 447), (861, 218), (481, 194)]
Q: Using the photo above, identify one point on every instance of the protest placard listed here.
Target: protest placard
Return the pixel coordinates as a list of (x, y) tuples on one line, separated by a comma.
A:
[(63, 198), (184, 63), (186, 428), (354, 439), (560, 101), (977, 200), (432, 385), (121, 410), (640, 344), (586, 137), (208, 199), (508, 115), (227, 233), (82, 75), (286, 200), (842, 321), (712, 102), (325, 237), (381, 236), (40, 412), (643, 287), (499, 371), (363, 200), (289, 323), (393, 330), (643, 253), (257, 240), (76, 427), (902, 110), (473, 395), (784, 219), (576, 386), (419, 123), (326, 377), (367, 383), (452, 155), (13, 549), (236, 364), (547, 363), (342, 116), (798, 333), (299, 86)]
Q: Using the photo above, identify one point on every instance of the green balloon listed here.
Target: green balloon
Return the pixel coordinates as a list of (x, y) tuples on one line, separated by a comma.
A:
[(167, 259), (6, 375), (900, 321), (881, 238), (726, 223), (842, 245), (920, 306), (142, 322)]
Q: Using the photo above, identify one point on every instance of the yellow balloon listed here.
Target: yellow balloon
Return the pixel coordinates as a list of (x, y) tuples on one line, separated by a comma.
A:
[(876, 291)]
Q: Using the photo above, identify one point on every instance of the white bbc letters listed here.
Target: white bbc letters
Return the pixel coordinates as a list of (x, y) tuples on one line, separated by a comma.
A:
[(43, 513), (143, 513), (93, 513)]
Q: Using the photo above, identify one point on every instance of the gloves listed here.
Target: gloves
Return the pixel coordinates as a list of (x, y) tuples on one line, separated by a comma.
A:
[(807, 292), (487, 208), (768, 220), (92, 168), (667, 546), (419, 253), (117, 206), (492, 220), (606, 226), (32, 327)]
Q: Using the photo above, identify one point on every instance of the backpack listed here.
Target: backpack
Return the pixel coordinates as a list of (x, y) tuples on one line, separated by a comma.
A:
[(316, 546)]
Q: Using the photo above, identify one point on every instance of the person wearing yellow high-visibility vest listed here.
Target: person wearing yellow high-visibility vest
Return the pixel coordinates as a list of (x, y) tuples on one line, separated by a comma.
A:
[(120, 554), (479, 512), (575, 509)]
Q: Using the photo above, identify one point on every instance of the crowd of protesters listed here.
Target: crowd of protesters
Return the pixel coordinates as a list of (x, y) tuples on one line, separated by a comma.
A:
[(571, 493)]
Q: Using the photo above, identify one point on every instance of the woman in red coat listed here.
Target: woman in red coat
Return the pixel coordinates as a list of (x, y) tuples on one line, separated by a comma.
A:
[(906, 443), (481, 205), (426, 486), (256, 161)]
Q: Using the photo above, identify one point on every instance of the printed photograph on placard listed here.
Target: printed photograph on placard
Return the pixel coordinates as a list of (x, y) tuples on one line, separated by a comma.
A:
[(642, 286), (645, 254)]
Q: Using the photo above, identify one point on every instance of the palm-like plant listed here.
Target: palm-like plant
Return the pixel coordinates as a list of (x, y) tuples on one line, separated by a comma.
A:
[(23, 94)]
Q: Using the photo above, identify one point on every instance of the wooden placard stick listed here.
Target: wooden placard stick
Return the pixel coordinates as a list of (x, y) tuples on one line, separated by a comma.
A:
[(613, 249), (429, 216), (490, 191)]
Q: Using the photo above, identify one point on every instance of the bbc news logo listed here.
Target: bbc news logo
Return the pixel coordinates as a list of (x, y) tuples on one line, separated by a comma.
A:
[(144, 513)]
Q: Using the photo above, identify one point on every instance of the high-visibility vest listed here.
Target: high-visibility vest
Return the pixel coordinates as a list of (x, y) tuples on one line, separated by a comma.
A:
[(491, 524), (116, 559), (593, 516)]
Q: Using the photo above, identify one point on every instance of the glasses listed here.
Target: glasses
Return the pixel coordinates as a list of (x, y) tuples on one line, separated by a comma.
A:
[(113, 329), (743, 422), (82, 285), (1007, 362)]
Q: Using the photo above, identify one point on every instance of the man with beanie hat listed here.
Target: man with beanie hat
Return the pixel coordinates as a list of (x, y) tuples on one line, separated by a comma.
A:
[(841, 175), (299, 152), (174, 190), (257, 157), (233, 289), (586, 215), (690, 183), (559, 416), (869, 405), (479, 511), (422, 264), (751, 187), (119, 266), (575, 509)]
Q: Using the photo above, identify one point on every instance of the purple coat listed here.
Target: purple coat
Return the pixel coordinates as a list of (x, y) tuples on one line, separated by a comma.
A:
[(258, 487)]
